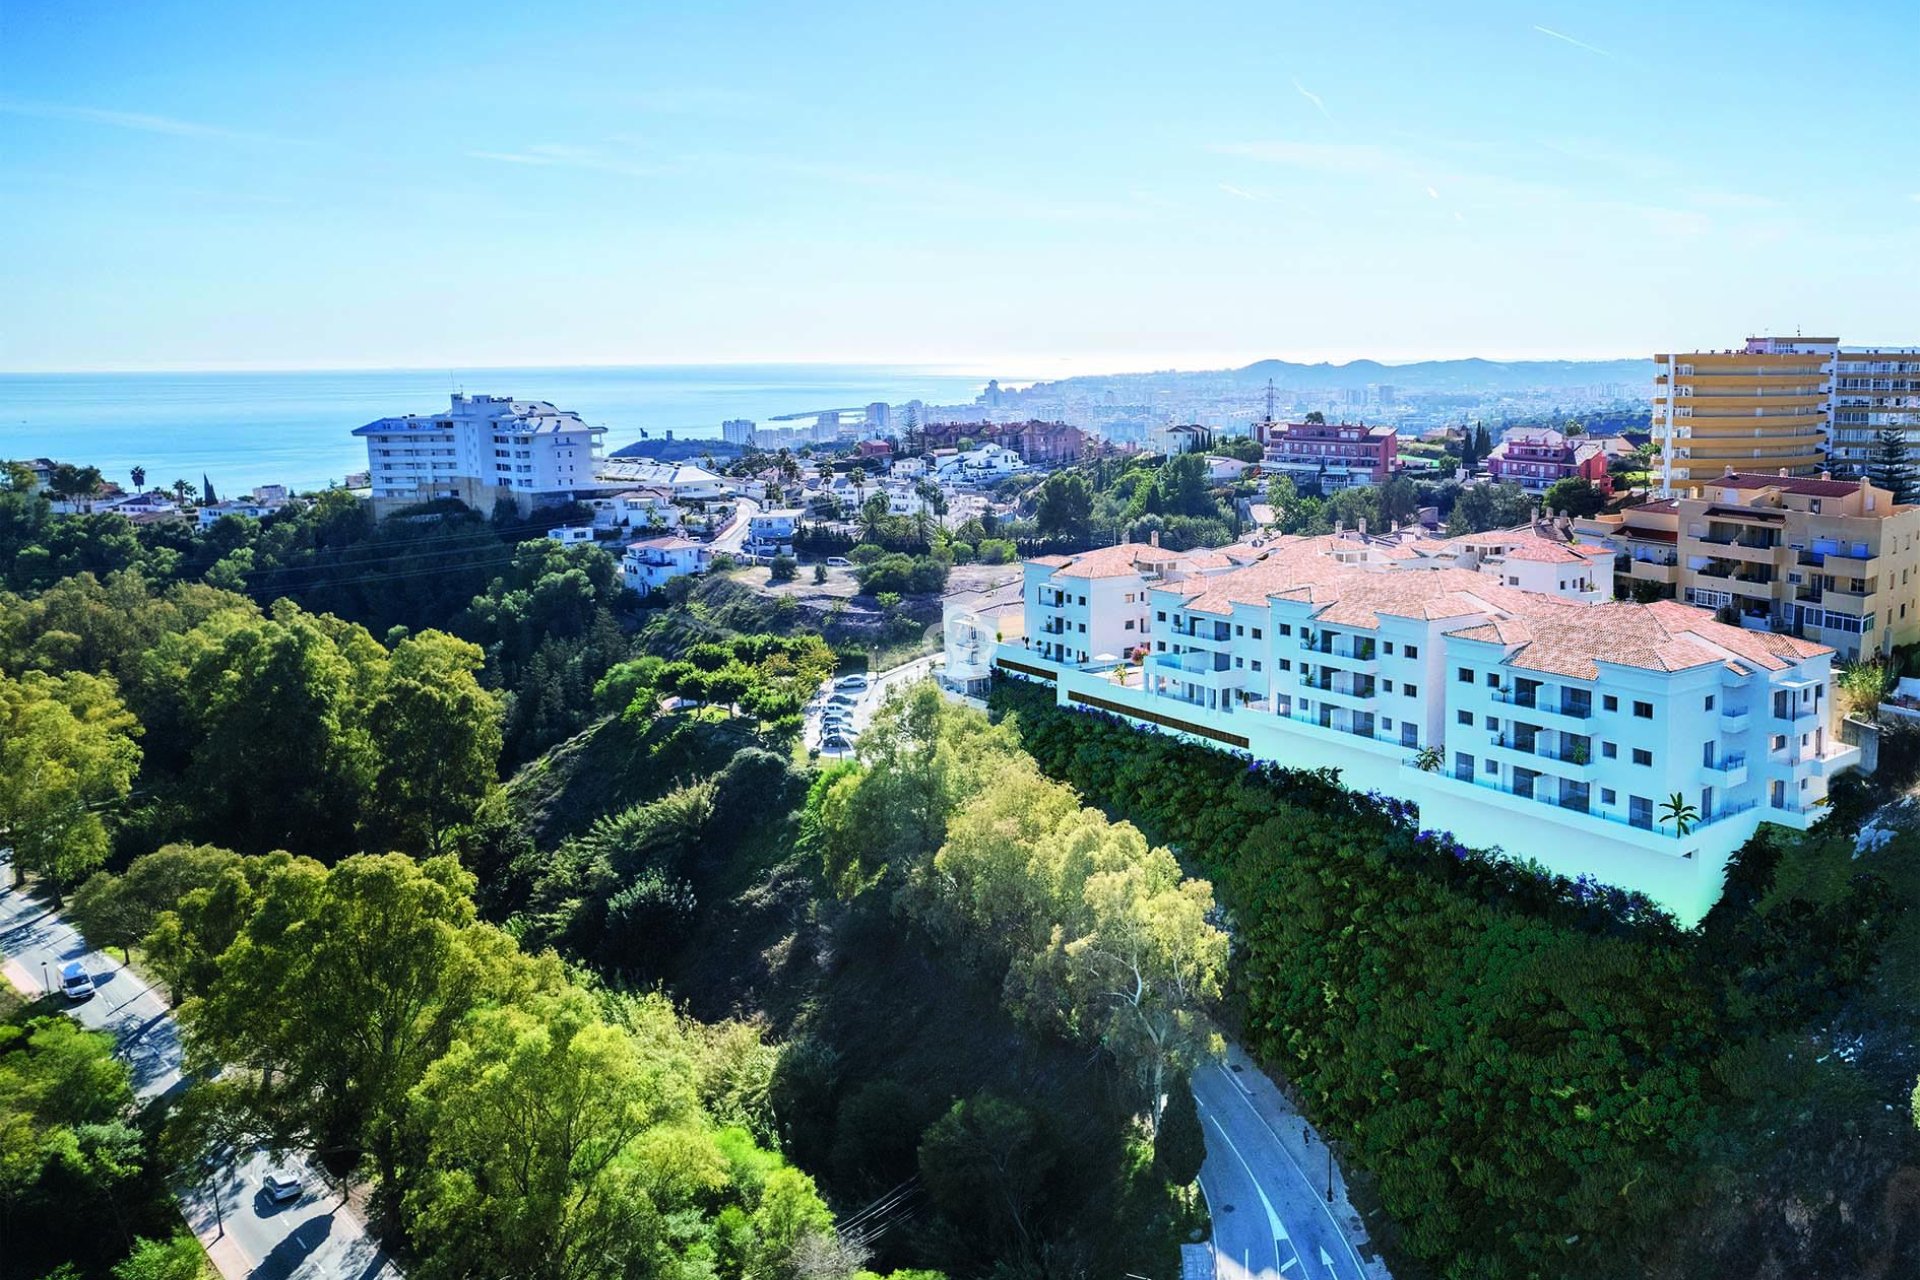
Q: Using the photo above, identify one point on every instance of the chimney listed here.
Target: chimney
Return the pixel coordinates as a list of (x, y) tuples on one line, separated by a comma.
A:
[(1729, 470), (1362, 524), (1783, 471), (1153, 538), (1826, 475)]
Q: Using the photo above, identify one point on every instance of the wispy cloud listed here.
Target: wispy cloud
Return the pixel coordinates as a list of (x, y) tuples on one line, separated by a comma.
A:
[(140, 121), (1312, 97), (1238, 192), (1434, 193), (1578, 44), (1360, 159), (559, 155)]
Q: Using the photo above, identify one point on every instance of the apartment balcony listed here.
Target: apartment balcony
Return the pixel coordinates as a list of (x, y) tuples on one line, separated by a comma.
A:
[(1545, 704), (1570, 759), (1734, 720), (1728, 771), (1550, 799), (1206, 632), (1341, 685)]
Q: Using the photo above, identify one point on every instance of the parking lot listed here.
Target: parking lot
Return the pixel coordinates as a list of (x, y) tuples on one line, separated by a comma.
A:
[(840, 712)]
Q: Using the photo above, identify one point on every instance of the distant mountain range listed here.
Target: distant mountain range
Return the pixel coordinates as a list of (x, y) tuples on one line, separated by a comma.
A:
[(1472, 374)]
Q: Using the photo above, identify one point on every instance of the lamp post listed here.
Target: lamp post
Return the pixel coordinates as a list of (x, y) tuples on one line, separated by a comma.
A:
[(46, 978), (1329, 1173)]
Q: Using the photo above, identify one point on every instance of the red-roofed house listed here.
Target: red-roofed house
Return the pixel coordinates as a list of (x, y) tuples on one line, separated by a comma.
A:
[(1537, 458), (1332, 455)]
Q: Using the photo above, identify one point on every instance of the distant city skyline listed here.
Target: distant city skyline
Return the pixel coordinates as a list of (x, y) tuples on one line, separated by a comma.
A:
[(996, 190)]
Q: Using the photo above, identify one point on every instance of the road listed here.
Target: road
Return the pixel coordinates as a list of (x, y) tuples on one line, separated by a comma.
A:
[(1266, 1185), (311, 1238), (736, 535)]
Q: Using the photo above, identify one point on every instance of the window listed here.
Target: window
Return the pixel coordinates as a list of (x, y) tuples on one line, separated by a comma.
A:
[(1609, 751), (1463, 767), (1286, 664), (1161, 646), (1239, 631), (1161, 615), (1493, 766), (1607, 796), (1709, 702), (1256, 633), (1643, 710), (1463, 717), (1388, 646), (1466, 675), (1777, 742), (1129, 626), (1643, 757), (1413, 651), (1640, 812), (1411, 690), (1256, 664), (1387, 685), (1493, 679), (1240, 663), (1609, 703), (1083, 599)]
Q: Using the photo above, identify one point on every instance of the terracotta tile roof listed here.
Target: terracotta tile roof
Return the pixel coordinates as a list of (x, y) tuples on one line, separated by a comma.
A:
[(1812, 488), (1546, 551), (1664, 636), (1129, 557)]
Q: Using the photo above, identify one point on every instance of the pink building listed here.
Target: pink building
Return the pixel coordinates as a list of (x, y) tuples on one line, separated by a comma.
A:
[(1535, 458), (1333, 455)]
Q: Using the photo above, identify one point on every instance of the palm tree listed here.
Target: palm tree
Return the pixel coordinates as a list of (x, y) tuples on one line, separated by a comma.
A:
[(139, 479), (1429, 759), (181, 488), (1681, 814)]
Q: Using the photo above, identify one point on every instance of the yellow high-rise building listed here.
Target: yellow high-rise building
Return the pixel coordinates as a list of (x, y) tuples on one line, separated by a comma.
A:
[(1763, 408)]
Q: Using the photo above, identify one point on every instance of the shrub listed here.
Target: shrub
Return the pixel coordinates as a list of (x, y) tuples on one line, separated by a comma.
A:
[(783, 569), (997, 551), (865, 553)]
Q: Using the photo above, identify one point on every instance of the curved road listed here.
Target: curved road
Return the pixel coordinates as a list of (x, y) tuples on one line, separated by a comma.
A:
[(1266, 1184)]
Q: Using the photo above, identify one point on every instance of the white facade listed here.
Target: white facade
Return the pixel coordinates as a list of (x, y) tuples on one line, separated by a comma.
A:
[(686, 482), (737, 431), (1553, 729), (653, 562), (770, 533), (483, 449)]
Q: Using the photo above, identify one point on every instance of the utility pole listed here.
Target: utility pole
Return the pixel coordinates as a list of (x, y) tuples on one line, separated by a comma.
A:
[(1329, 1173)]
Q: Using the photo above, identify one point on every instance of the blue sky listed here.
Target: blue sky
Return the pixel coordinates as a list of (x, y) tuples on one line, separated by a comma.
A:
[(1018, 188)]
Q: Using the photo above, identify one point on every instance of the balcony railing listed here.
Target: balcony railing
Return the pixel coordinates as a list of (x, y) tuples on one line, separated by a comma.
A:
[(1653, 825), (1531, 699), (1358, 648)]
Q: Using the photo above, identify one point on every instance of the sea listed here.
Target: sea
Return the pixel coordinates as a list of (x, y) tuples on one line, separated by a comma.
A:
[(245, 429)]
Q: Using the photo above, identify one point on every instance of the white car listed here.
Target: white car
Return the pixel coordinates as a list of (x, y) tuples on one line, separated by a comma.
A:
[(851, 682), (839, 562), (75, 982), (281, 1186)]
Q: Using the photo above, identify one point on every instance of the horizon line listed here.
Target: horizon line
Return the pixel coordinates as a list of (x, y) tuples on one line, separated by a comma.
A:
[(971, 367)]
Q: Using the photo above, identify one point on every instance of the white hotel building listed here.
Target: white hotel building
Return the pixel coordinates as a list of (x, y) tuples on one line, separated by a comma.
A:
[(484, 450), (1565, 724)]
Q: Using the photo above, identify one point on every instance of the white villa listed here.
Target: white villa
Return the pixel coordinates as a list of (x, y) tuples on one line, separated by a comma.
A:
[(654, 562), (1515, 714)]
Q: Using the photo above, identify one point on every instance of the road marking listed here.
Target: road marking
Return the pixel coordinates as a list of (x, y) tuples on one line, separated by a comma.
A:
[(1312, 1186), (1273, 1219)]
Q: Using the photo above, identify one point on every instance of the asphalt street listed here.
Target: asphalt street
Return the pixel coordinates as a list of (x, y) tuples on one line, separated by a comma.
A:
[(1266, 1185), (247, 1236)]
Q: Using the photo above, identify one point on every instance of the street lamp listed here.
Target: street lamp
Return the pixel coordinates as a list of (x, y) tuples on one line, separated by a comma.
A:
[(46, 978)]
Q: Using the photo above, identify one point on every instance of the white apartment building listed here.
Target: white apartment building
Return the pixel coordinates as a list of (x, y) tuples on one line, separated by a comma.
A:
[(1555, 729), (482, 451)]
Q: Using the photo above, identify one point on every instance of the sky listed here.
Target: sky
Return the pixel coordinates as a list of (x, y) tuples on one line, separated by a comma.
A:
[(1044, 189)]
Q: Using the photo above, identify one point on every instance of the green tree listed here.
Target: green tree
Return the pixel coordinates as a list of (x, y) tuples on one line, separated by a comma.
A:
[(1180, 488), (545, 1152), (437, 734), (1315, 418), (177, 1258), (1179, 1146), (119, 911), (986, 1166), (67, 755), (1891, 466), (1681, 814), (340, 990), (1065, 510), (63, 1104), (1481, 507), (1399, 501), (783, 569), (1575, 496)]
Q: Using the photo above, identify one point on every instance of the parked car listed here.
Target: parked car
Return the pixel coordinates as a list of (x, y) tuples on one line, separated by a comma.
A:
[(846, 700), (839, 562), (281, 1186), (836, 742), (850, 682), (76, 982)]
